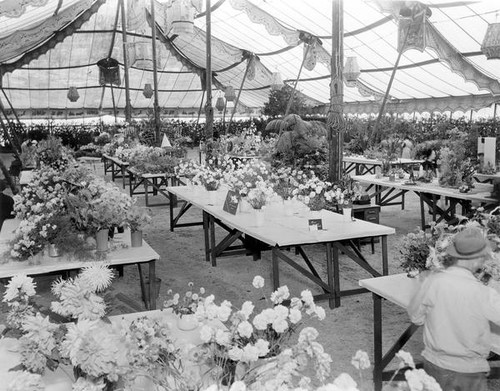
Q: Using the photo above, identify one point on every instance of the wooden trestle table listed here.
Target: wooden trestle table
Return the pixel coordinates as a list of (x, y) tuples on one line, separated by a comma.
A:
[(281, 233), (43, 264), (385, 192), (360, 165)]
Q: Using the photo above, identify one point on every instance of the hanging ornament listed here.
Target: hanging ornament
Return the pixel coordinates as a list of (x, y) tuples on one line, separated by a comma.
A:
[(229, 94), (351, 69), (147, 91), (109, 71), (73, 94), (276, 81), (140, 55), (220, 104), (491, 42), (182, 17)]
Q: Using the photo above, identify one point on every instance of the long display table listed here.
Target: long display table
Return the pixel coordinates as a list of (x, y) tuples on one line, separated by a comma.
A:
[(43, 264), (385, 192), (360, 165), (116, 167), (281, 233)]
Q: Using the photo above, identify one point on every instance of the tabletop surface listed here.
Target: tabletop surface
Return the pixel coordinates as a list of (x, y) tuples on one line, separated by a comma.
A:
[(280, 229), (397, 288), (365, 160), (481, 191), (42, 263)]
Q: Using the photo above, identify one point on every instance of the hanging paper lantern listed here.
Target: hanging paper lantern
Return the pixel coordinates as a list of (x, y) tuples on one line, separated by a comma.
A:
[(147, 91), (276, 81), (220, 104), (351, 69), (109, 71), (73, 94), (182, 17), (491, 42), (229, 94), (140, 55)]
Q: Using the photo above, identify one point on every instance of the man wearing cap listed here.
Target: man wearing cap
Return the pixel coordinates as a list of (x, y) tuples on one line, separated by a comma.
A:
[(455, 309)]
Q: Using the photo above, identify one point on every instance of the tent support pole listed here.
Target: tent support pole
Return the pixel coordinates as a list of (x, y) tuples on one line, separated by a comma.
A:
[(335, 119), (290, 100), (239, 94), (384, 101), (201, 106), (15, 136), (128, 111), (155, 75), (113, 99), (209, 110), (224, 116), (494, 112)]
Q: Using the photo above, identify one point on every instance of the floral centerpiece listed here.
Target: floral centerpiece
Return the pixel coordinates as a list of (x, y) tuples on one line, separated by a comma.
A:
[(244, 177), (137, 217), (315, 193), (243, 336), (209, 176), (456, 170), (51, 152), (188, 169), (258, 196)]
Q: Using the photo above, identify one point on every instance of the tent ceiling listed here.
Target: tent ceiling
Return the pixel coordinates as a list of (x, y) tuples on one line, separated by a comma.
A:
[(52, 45)]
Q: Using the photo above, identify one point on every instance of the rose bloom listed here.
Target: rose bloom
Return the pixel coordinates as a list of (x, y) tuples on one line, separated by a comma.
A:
[(361, 360)]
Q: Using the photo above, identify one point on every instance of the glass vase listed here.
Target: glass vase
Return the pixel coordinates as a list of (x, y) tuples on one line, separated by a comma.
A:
[(259, 217), (54, 250)]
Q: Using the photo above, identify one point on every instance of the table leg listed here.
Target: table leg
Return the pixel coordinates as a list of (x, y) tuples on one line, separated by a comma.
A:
[(171, 208), (275, 268), (385, 257), (336, 274), (211, 225), (330, 275), (152, 285), (206, 231), (377, 342), (422, 211), (122, 168)]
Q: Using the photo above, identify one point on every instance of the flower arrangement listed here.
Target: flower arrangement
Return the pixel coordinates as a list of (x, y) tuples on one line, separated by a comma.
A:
[(137, 217), (244, 177), (258, 197), (417, 249), (187, 168), (245, 338), (51, 152), (209, 176), (315, 193), (188, 304), (456, 169), (28, 153)]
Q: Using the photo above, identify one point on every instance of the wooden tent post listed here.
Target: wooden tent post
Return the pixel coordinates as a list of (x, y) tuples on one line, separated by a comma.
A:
[(209, 110), (156, 105), (335, 120), (128, 111)]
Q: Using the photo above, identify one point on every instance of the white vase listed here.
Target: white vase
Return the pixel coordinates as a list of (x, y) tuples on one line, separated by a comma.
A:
[(259, 217), (212, 197), (347, 212), (187, 322)]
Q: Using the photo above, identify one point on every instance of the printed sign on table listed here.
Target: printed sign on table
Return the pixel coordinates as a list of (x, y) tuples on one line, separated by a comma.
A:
[(231, 202)]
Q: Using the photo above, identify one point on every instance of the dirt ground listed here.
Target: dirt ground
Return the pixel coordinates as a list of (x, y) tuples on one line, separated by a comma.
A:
[(345, 329)]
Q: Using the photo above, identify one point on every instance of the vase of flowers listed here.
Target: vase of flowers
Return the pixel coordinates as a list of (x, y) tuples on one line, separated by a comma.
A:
[(54, 250), (136, 218), (185, 307)]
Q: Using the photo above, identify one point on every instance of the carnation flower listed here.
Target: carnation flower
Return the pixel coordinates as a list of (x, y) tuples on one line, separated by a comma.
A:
[(345, 382), (258, 282), (406, 359), (84, 384), (282, 293), (361, 360)]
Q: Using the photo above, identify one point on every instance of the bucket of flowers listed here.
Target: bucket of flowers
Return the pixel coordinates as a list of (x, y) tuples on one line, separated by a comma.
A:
[(136, 218)]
